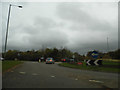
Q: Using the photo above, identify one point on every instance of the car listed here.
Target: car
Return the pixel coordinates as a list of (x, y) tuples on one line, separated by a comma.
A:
[(2, 59), (50, 60)]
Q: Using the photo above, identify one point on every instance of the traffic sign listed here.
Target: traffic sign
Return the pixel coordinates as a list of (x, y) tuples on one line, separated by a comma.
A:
[(94, 54), (73, 56), (94, 62), (42, 57)]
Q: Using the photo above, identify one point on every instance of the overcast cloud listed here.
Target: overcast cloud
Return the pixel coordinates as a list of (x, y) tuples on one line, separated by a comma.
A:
[(77, 26)]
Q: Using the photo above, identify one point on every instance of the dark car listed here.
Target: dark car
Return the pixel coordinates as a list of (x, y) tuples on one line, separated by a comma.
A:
[(50, 61)]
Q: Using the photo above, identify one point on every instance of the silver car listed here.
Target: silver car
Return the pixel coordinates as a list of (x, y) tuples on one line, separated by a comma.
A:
[(50, 60)]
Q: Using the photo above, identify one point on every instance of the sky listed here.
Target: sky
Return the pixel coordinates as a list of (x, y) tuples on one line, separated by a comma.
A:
[(77, 26)]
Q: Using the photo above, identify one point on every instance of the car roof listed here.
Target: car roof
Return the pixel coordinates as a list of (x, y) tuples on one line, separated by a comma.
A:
[(49, 58)]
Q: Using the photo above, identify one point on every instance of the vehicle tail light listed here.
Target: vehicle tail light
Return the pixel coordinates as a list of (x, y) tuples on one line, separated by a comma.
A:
[(64, 59)]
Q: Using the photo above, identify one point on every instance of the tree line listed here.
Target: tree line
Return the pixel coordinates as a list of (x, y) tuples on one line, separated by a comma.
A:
[(57, 54), (33, 55)]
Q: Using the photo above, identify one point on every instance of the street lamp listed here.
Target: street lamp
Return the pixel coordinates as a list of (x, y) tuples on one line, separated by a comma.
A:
[(8, 26)]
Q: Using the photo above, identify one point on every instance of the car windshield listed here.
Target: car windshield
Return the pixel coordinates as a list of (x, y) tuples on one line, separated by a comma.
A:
[(49, 58)]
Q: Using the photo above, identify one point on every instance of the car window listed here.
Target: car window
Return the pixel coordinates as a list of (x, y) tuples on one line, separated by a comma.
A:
[(49, 58)]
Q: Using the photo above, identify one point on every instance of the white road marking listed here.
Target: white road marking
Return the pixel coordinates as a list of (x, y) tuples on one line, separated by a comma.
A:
[(34, 74), (96, 81), (34, 62), (52, 76), (92, 80), (22, 72), (76, 79)]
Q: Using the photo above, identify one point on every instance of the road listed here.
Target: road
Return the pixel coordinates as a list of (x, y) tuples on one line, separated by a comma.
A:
[(41, 75), (0, 74)]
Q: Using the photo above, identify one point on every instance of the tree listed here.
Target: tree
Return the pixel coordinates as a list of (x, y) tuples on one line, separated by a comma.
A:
[(114, 54), (11, 55)]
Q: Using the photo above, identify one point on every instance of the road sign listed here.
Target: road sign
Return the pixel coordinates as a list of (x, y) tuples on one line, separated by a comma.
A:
[(88, 62), (73, 56), (42, 57), (94, 54), (18, 54), (94, 62)]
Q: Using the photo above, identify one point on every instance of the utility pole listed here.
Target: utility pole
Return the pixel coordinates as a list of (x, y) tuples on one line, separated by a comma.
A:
[(43, 53)]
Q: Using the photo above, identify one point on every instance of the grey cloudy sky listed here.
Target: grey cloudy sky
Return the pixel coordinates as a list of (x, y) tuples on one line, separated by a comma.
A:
[(78, 26)]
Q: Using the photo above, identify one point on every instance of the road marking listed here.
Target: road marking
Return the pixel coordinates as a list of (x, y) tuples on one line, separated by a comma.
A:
[(76, 79), (34, 62), (52, 76), (22, 72), (96, 81), (34, 74)]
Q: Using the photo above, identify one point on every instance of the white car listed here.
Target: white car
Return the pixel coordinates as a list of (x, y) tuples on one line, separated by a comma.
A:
[(1, 58)]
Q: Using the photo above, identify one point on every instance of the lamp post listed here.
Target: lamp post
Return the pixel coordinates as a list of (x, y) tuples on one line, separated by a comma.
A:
[(8, 26)]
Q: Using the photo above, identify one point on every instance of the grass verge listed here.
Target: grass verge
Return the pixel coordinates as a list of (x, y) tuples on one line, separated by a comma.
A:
[(7, 64), (112, 67)]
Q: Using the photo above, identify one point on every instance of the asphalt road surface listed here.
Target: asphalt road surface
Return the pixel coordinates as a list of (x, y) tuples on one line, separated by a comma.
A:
[(0, 74), (41, 75)]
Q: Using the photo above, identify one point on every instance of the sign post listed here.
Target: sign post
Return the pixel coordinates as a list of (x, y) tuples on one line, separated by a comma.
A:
[(94, 60), (42, 59), (73, 56)]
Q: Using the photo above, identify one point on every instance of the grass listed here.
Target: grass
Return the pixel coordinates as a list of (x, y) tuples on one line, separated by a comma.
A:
[(110, 63), (108, 66), (113, 60), (7, 64)]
